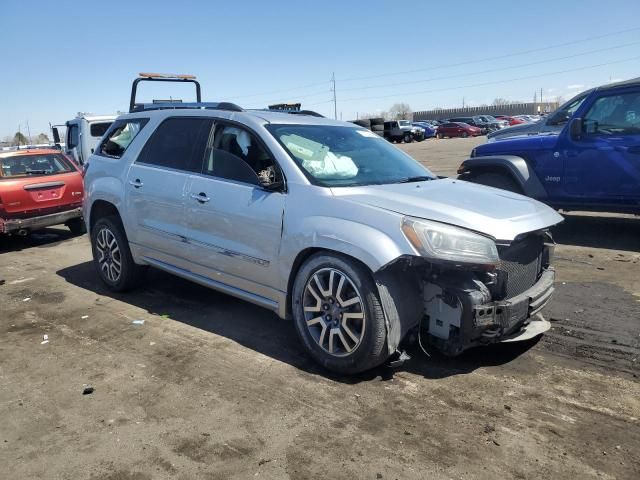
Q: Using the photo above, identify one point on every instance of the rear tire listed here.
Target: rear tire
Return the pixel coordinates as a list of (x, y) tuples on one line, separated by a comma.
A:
[(77, 226), (464, 135), (496, 180), (112, 256), (338, 315)]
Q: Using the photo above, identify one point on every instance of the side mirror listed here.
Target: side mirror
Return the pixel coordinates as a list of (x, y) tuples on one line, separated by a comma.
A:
[(56, 135), (576, 127)]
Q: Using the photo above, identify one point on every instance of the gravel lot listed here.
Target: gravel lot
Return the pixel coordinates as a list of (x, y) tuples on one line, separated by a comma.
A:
[(210, 387)]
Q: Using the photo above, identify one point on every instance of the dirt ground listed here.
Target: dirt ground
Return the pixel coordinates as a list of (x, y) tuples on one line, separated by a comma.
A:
[(210, 387)]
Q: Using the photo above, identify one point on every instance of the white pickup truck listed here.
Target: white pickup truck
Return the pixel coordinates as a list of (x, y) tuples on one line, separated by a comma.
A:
[(83, 134)]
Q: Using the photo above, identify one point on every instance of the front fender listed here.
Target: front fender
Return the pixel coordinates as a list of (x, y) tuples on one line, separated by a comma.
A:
[(516, 166), (362, 242)]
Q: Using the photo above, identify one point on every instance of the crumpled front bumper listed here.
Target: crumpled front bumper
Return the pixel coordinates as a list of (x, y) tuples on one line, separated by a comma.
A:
[(42, 221), (462, 315), (506, 317)]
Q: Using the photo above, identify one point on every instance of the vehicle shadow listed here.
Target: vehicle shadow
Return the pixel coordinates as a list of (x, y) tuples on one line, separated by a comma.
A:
[(609, 232), (45, 238), (263, 331)]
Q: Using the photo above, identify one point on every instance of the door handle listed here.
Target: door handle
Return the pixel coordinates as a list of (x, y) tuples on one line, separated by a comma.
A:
[(200, 197), (136, 183)]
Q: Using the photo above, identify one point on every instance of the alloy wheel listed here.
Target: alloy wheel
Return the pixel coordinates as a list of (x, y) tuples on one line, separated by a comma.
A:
[(334, 312), (109, 257)]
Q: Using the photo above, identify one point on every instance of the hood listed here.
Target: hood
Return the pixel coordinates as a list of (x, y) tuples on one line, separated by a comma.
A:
[(517, 143), (522, 129), (500, 214)]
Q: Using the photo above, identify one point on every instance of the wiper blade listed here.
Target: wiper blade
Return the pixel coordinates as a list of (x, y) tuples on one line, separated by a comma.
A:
[(420, 178)]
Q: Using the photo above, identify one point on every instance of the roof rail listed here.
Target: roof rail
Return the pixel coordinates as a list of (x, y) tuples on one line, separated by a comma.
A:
[(143, 107)]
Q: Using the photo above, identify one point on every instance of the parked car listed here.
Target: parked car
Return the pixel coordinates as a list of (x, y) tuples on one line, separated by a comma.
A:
[(320, 221), (552, 123), (39, 188), (83, 134), (476, 121), (429, 130), (402, 130), (457, 129), (494, 122), (512, 120), (592, 164)]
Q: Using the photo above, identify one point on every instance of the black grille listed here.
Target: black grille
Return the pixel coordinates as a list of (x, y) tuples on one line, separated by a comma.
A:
[(520, 265)]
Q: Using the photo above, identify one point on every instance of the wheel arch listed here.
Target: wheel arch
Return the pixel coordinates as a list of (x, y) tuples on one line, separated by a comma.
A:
[(515, 166), (101, 208)]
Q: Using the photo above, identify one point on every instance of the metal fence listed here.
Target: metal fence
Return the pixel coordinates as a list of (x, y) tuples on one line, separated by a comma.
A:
[(529, 108)]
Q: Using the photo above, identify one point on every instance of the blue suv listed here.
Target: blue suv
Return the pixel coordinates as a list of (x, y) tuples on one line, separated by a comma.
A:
[(593, 163)]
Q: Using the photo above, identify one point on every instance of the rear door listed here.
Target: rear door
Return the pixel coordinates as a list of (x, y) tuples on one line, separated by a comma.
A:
[(604, 165), (38, 184), (157, 186)]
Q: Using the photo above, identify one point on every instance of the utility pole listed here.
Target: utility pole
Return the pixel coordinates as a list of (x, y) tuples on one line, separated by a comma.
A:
[(335, 105), (462, 102), (29, 132), (540, 95)]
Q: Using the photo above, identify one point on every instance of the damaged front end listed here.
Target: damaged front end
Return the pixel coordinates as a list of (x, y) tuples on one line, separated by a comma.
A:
[(465, 305)]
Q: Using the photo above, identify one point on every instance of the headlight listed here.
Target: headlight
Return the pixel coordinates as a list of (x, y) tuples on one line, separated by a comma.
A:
[(445, 242)]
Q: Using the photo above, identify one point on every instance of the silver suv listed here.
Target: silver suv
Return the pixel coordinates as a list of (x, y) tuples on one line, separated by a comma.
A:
[(320, 221)]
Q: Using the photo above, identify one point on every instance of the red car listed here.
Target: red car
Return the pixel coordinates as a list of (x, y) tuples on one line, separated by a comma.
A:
[(512, 120), (457, 129), (39, 188)]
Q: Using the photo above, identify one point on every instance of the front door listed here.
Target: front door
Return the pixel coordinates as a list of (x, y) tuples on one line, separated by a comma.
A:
[(604, 164), (234, 223)]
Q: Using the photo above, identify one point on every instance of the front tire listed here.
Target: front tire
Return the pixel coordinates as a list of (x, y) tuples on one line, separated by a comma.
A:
[(338, 314), (408, 138), (112, 256)]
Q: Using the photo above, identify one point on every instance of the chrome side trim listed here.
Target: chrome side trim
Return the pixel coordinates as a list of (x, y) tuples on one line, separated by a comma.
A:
[(230, 253), (223, 251)]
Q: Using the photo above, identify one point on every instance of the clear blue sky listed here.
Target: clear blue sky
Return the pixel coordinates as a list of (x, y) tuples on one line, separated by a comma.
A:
[(61, 57)]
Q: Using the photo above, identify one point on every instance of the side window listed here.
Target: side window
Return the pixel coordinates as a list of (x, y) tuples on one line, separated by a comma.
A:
[(120, 137), (235, 154), (73, 138), (99, 129), (178, 143), (614, 115)]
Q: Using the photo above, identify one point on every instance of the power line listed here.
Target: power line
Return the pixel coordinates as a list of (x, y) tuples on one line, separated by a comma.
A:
[(492, 70), (279, 91), (448, 77), (496, 82), (468, 62), (514, 54)]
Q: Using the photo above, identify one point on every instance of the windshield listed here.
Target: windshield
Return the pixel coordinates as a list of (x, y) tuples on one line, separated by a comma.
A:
[(404, 123), (336, 156), (41, 164)]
